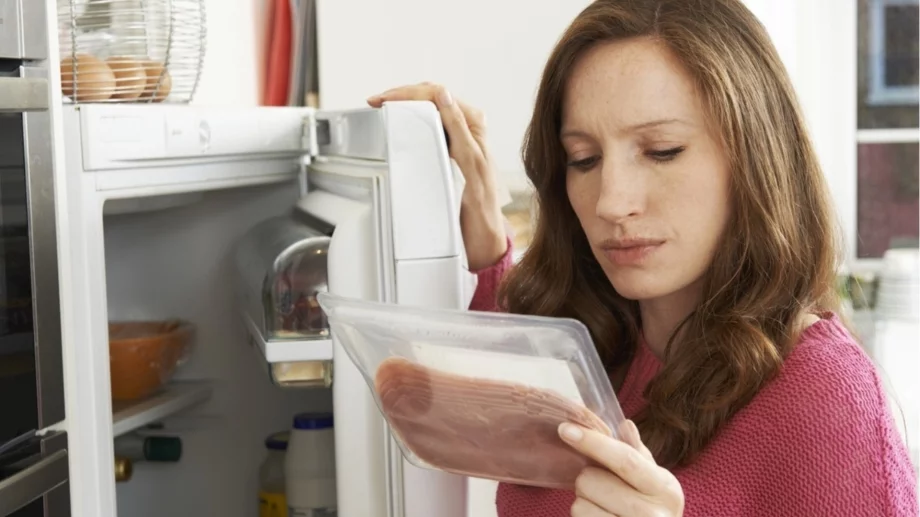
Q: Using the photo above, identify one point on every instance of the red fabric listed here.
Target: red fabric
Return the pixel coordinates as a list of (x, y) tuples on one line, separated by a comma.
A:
[(278, 72), (818, 440), (485, 296)]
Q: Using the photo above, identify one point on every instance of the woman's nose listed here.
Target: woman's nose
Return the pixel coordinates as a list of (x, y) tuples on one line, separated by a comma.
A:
[(622, 193)]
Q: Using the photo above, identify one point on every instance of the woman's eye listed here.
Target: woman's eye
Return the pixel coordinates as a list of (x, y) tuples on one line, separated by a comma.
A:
[(664, 155), (585, 164)]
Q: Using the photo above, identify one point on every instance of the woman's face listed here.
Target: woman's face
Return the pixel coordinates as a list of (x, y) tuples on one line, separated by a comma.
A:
[(646, 177)]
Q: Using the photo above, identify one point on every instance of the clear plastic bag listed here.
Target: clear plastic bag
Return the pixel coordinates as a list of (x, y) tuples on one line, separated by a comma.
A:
[(479, 394)]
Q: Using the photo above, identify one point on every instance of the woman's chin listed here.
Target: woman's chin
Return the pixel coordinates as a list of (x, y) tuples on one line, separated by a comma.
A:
[(638, 286)]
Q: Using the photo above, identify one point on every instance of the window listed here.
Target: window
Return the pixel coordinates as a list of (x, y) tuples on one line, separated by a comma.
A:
[(884, 179), (887, 135), (892, 43)]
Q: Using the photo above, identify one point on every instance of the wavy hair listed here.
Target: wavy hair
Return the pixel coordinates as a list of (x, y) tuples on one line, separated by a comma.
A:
[(776, 259)]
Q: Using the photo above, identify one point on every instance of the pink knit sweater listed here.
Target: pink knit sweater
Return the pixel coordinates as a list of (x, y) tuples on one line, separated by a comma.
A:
[(819, 440)]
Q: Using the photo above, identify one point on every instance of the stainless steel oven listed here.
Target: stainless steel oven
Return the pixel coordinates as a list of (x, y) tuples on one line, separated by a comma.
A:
[(33, 469)]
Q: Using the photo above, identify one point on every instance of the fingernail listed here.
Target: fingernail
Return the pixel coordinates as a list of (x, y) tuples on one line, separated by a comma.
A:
[(571, 432), (373, 98), (444, 99), (632, 434)]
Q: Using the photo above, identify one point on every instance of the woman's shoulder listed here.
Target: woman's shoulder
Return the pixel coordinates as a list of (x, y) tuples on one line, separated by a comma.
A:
[(827, 372), (828, 406), (827, 398), (827, 385), (828, 363), (825, 418)]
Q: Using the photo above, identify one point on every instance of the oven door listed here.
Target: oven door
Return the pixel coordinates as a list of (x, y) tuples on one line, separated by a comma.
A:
[(15, 41), (33, 474)]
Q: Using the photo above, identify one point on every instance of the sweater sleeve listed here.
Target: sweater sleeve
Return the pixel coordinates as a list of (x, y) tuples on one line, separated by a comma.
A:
[(843, 451), (485, 298)]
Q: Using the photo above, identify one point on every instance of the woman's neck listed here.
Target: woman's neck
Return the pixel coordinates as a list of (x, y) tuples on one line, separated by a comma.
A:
[(661, 316)]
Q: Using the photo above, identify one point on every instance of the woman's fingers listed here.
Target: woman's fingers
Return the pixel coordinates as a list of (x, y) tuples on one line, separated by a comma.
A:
[(464, 146), (630, 434), (585, 508), (622, 459), (612, 495), (481, 219)]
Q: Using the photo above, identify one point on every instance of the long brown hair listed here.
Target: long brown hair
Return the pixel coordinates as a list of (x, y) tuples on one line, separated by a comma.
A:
[(776, 259)]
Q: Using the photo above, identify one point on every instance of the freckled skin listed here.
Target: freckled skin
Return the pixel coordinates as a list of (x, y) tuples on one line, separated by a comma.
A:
[(628, 191)]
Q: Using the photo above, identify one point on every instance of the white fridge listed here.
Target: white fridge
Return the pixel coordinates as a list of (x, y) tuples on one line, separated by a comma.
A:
[(153, 201)]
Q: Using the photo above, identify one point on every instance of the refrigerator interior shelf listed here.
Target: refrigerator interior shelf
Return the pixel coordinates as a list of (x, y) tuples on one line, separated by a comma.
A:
[(157, 182), (173, 398)]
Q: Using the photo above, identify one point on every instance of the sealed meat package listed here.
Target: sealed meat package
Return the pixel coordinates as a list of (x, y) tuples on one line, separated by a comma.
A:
[(479, 394)]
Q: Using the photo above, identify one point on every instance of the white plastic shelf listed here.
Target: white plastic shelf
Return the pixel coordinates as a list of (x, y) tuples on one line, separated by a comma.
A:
[(290, 351), (176, 397)]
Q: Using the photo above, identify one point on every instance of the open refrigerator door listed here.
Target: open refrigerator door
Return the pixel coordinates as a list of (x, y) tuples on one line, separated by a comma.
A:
[(413, 222), (380, 210)]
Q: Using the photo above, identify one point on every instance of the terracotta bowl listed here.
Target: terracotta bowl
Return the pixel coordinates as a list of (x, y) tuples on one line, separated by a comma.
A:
[(143, 355)]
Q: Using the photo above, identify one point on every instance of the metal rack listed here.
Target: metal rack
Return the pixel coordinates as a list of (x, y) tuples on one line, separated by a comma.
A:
[(131, 51)]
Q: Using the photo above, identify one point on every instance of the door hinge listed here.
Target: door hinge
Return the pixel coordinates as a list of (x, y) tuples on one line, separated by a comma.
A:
[(315, 134)]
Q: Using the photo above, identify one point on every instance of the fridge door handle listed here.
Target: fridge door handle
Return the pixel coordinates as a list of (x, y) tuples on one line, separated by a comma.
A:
[(19, 94), (33, 482)]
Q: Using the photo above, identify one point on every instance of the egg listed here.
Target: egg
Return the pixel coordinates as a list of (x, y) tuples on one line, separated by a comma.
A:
[(94, 80), (130, 77), (157, 73)]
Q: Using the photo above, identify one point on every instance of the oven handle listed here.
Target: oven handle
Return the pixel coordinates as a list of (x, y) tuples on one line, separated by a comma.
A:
[(19, 94), (33, 482)]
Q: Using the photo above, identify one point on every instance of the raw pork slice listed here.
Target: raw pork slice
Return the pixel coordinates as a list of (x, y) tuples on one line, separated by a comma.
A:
[(482, 428)]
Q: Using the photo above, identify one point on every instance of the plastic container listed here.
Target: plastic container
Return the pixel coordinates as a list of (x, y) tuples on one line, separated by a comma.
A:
[(272, 499), (281, 264), (143, 355), (309, 466), (479, 394)]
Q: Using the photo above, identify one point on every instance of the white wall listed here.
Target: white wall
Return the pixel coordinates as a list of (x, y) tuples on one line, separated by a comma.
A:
[(232, 70), (489, 53), (817, 41)]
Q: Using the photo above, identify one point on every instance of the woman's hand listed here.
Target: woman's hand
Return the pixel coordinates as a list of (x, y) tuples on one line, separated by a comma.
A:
[(481, 219), (628, 482)]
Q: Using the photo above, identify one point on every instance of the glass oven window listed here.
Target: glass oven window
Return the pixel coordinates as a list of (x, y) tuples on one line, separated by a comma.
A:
[(18, 381)]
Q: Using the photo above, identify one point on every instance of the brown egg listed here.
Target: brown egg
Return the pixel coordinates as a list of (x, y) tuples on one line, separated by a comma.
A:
[(154, 71), (130, 77), (94, 80)]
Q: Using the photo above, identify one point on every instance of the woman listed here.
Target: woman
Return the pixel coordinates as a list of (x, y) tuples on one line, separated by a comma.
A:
[(683, 217)]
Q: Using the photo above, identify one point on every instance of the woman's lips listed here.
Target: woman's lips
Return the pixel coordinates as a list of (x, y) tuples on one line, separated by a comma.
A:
[(630, 252)]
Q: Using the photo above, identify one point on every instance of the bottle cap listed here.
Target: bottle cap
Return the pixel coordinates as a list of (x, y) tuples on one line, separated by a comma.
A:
[(313, 421), (277, 441)]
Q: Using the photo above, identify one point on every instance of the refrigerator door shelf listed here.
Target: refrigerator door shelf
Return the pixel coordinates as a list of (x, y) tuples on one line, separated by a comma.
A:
[(286, 351)]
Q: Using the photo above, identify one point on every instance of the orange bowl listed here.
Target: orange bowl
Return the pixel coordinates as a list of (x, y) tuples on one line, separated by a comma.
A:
[(143, 355)]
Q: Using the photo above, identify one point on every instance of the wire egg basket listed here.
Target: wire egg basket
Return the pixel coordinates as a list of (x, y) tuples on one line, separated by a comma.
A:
[(131, 51)]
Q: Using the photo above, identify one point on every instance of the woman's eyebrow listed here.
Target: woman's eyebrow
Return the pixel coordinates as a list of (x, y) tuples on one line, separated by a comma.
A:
[(565, 133)]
